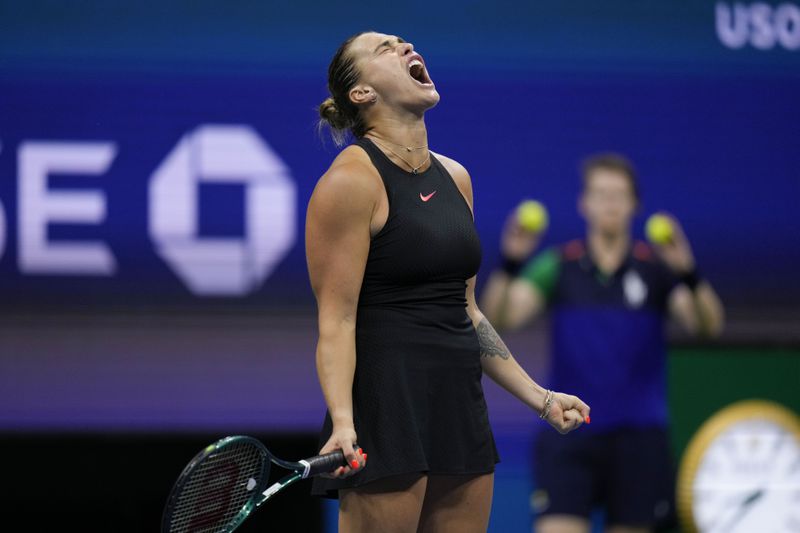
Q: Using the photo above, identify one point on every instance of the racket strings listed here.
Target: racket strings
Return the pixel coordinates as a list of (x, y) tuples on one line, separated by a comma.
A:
[(218, 489)]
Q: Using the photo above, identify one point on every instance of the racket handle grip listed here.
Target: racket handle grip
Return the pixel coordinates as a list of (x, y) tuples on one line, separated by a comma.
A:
[(322, 464)]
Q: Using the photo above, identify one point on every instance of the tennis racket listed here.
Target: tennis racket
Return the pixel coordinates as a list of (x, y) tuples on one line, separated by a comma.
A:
[(227, 480)]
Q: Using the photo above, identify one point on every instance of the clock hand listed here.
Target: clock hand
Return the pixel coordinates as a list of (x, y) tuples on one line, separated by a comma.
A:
[(743, 508), (752, 497)]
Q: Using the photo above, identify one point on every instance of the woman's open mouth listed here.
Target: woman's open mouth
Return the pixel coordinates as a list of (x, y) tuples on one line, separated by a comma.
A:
[(417, 71)]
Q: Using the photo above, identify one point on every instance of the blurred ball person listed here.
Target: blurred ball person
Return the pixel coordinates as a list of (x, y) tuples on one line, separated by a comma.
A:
[(392, 256), (609, 298)]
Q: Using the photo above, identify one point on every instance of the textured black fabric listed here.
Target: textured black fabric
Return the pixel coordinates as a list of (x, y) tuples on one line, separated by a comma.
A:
[(418, 404)]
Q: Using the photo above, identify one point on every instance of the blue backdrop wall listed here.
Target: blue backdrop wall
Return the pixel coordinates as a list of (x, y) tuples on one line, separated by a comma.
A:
[(703, 98)]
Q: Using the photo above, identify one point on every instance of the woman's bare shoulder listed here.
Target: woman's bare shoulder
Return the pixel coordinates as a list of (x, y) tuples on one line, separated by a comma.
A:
[(350, 180)]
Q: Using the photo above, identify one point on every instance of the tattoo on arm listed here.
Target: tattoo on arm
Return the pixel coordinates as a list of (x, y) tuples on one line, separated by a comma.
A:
[(491, 343)]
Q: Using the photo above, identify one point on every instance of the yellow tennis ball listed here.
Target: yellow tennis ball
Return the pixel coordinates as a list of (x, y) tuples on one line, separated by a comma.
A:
[(532, 216), (659, 229)]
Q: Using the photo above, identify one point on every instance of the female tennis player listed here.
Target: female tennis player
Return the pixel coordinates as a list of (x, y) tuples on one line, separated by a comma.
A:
[(392, 256)]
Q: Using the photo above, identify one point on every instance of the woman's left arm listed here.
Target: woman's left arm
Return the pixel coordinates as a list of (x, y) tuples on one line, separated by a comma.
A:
[(563, 411)]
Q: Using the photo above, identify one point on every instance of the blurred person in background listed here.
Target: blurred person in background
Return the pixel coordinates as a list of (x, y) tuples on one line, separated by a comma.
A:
[(609, 298)]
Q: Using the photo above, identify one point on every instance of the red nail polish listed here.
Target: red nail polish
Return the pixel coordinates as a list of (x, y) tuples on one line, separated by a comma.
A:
[(354, 463), (365, 458), (361, 451), (588, 420)]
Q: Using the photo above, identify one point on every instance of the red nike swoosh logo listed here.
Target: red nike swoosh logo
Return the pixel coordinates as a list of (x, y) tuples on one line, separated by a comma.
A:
[(426, 198)]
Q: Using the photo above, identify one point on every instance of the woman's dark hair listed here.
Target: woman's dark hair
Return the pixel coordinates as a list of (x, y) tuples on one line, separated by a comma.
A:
[(338, 111)]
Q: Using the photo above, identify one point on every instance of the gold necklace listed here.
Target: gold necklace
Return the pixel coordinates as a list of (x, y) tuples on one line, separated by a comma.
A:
[(408, 148), (414, 169)]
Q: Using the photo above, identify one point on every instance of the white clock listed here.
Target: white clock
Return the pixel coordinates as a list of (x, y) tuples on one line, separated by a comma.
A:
[(741, 472)]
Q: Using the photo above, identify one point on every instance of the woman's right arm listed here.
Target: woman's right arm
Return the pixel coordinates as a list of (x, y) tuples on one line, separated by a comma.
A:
[(337, 245)]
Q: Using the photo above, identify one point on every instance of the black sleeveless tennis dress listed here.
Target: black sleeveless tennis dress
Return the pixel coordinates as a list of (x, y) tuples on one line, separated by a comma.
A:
[(418, 404)]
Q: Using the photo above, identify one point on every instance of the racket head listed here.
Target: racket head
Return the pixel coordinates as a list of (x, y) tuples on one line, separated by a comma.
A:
[(218, 488)]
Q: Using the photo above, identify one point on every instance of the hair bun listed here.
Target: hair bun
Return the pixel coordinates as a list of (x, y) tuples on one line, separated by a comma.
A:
[(330, 113)]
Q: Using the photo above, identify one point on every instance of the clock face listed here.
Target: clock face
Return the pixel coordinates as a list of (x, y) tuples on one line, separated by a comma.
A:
[(748, 480)]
